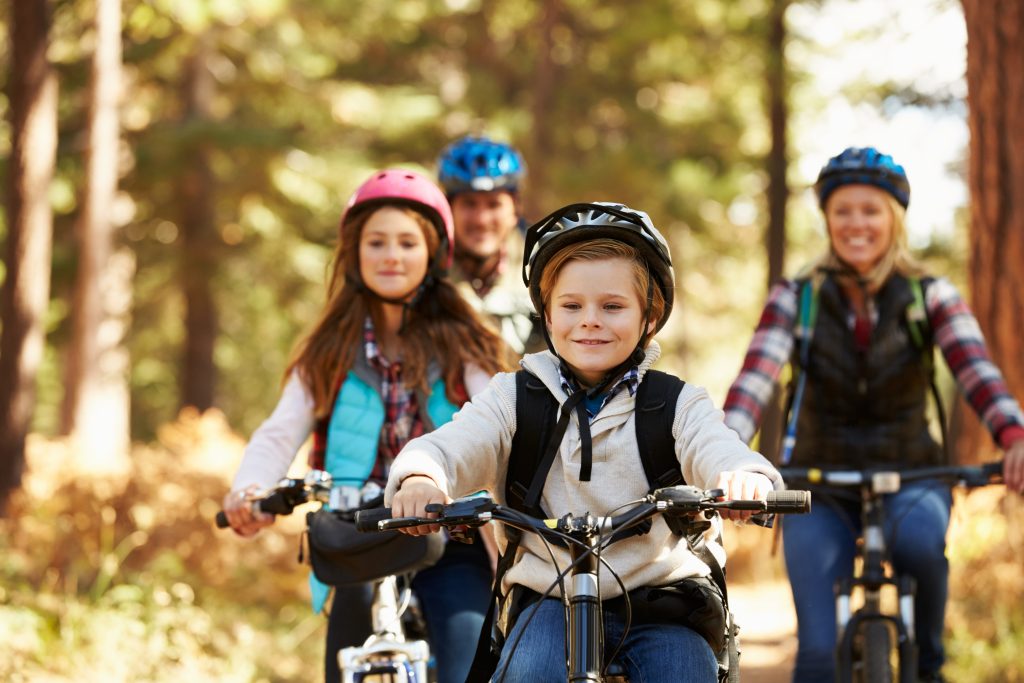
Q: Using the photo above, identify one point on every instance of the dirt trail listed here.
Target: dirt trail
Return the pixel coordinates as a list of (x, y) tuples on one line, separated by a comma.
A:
[(764, 611)]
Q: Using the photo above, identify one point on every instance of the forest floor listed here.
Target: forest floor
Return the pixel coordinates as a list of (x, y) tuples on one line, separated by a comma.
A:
[(764, 611)]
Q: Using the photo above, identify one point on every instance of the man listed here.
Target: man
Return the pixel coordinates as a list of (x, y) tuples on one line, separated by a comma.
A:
[(482, 178)]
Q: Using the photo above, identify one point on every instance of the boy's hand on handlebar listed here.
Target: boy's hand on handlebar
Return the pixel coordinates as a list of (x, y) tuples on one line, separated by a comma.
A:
[(411, 500), (740, 485), (238, 508), (1013, 467)]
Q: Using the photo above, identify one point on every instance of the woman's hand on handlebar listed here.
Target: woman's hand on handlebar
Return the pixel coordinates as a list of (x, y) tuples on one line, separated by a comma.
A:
[(1013, 467), (238, 508), (411, 500), (740, 485)]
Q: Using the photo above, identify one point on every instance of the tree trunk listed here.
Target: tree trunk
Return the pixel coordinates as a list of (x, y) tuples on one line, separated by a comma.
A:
[(995, 95), (96, 403), (199, 241), (32, 93), (778, 196), (542, 90)]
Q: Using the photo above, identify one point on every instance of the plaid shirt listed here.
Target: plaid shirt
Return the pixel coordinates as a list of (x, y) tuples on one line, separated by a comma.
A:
[(955, 331), (631, 379), (402, 420)]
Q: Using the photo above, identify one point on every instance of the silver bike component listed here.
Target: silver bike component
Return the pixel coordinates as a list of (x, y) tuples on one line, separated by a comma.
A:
[(344, 498), (885, 482), (584, 585), (842, 613), (907, 615), (874, 539), (386, 656)]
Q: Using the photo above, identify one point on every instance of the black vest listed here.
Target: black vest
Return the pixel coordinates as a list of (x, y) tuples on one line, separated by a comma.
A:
[(865, 409)]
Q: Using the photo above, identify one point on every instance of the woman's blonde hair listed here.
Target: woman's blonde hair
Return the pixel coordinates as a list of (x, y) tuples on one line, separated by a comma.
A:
[(600, 250), (897, 257), (441, 325)]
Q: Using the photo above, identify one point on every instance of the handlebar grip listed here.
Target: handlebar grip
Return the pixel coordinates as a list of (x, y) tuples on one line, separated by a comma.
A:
[(792, 501), (366, 520), (277, 503)]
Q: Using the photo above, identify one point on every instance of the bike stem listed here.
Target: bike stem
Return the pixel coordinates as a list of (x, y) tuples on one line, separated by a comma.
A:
[(585, 632)]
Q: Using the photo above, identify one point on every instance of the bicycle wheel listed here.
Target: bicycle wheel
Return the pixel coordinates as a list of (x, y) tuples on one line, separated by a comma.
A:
[(876, 653)]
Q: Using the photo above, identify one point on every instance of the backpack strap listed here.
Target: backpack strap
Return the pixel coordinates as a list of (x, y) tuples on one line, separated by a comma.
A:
[(807, 318), (919, 328), (656, 400)]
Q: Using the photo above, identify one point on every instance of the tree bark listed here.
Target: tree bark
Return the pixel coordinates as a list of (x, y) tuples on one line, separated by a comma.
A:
[(778, 195), (199, 241), (96, 403), (26, 291), (542, 88), (995, 96)]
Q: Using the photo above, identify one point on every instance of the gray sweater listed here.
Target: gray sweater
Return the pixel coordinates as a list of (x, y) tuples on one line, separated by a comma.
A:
[(471, 454)]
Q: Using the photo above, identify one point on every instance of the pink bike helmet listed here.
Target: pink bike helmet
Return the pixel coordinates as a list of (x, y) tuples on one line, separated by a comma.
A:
[(399, 186)]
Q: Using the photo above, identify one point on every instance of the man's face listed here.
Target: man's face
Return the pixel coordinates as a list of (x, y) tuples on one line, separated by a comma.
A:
[(483, 221)]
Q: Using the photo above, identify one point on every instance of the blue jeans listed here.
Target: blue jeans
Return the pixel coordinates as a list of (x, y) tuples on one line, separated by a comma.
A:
[(454, 595), (820, 547), (651, 653)]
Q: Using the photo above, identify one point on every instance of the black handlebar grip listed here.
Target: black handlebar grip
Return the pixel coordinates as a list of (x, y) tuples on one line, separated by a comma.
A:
[(782, 502), (366, 520), (222, 520)]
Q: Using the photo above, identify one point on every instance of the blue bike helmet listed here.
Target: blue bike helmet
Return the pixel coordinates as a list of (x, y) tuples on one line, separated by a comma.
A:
[(863, 166), (474, 164)]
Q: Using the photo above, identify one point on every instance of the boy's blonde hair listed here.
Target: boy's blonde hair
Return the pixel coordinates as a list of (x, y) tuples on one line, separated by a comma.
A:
[(603, 249), (897, 257)]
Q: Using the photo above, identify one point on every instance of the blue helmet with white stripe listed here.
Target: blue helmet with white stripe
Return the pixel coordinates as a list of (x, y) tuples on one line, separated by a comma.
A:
[(863, 166), (478, 164)]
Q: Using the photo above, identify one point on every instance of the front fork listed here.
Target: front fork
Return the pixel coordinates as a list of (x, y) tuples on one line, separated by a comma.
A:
[(586, 632), (848, 623)]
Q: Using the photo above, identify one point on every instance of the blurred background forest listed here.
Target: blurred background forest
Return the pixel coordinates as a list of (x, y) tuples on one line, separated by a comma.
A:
[(174, 173)]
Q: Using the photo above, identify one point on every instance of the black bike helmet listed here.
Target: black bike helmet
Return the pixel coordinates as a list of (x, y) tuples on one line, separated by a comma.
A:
[(863, 166), (596, 220)]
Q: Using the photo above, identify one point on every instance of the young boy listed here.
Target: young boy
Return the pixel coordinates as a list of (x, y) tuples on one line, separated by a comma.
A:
[(600, 276)]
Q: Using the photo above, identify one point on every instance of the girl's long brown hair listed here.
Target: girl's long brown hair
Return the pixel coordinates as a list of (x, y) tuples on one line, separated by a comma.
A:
[(441, 325)]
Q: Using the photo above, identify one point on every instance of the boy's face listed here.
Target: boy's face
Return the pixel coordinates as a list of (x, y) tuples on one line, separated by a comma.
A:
[(594, 316)]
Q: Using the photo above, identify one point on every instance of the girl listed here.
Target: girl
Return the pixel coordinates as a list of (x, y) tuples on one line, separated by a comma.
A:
[(600, 276), (394, 354)]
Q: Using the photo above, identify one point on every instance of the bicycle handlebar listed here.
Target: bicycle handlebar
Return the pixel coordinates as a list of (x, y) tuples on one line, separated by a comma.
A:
[(967, 475), (286, 496), (672, 501)]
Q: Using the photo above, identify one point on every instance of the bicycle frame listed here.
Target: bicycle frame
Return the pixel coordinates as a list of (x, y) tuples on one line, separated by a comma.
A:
[(872, 579), (861, 647), (386, 656)]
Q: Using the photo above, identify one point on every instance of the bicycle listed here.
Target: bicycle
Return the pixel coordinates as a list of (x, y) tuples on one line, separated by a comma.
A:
[(586, 536), (865, 644), (389, 655)]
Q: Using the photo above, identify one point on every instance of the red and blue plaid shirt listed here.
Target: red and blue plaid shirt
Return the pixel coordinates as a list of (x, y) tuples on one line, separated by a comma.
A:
[(956, 333), (402, 421)]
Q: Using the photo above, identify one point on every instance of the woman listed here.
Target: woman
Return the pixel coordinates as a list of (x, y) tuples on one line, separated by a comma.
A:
[(395, 353), (867, 365)]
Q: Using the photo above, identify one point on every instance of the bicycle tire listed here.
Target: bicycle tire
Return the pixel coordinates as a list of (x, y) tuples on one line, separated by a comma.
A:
[(877, 653)]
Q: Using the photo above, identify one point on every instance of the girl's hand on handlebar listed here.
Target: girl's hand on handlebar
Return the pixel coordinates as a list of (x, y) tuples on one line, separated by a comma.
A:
[(1013, 467), (244, 520), (740, 485), (411, 500)]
